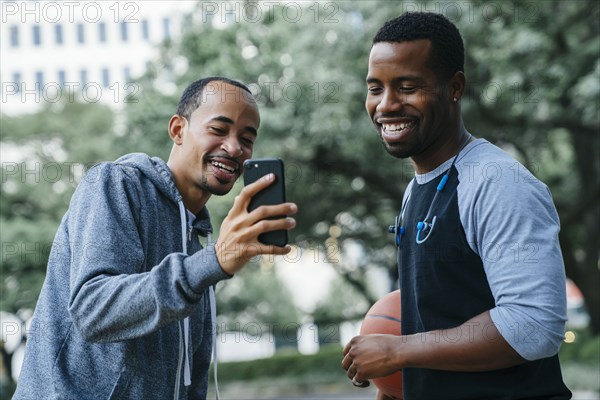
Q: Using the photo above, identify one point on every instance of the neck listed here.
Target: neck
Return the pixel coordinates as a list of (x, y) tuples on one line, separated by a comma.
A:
[(194, 198), (441, 151)]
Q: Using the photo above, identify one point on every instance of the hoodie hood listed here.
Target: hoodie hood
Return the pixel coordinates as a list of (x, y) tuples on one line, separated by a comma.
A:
[(158, 172)]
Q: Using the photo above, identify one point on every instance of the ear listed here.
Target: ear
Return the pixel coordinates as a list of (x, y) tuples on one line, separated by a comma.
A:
[(457, 86), (177, 125)]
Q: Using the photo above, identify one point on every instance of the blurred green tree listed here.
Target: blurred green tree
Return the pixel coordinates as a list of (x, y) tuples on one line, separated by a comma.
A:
[(535, 89), (243, 305), (533, 70), (47, 152)]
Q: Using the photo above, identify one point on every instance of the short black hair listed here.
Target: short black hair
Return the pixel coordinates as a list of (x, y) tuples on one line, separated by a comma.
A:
[(447, 54), (192, 95)]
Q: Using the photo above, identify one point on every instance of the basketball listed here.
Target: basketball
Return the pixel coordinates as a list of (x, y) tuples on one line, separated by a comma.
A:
[(384, 318)]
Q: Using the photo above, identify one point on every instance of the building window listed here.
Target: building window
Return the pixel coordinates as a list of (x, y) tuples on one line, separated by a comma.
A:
[(124, 31), (127, 74), (80, 33), (167, 28), (145, 30), (58, 33), (62, 78), (188, 20), (39, 81), (37, 36), (83, 77), (105, 77), (102, 32), (14, 36), (17, 80)]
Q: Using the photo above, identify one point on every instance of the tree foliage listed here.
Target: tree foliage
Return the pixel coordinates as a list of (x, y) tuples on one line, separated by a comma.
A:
[(49, 152), (544, 59), (533, 73)]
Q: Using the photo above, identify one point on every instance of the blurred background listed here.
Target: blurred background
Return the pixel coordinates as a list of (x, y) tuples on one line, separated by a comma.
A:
[(85, 81)]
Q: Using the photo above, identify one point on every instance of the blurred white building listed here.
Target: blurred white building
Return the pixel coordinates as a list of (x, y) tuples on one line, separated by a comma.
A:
[(80, 49)]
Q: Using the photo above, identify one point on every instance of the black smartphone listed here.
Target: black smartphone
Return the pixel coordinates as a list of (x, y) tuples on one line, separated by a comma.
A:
[(271, 195)]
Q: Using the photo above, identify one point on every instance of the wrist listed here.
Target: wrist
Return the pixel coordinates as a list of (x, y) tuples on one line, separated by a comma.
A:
[(401, 353), (229, 258), (225, 271)]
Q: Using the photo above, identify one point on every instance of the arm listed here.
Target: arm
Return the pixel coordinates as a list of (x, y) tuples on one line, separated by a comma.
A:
[(513, 227), (113, 296), (110, 298), (511, 223), (473, 346)]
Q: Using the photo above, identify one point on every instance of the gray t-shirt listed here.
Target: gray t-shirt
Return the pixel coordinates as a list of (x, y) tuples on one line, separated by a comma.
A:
[(510, 222)]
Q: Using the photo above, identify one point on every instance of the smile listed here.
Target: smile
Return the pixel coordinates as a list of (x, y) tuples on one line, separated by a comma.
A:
[(394, 129), (228, 168)]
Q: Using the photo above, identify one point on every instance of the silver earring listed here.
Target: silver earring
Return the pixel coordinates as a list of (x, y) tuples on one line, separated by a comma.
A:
[(455, 99)]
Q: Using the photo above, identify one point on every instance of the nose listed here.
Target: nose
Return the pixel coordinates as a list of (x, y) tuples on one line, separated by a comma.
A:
[(390, 101), (232, 146)]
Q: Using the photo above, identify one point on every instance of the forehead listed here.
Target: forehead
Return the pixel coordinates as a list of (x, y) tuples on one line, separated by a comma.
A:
[(398, 58), (223, 99)]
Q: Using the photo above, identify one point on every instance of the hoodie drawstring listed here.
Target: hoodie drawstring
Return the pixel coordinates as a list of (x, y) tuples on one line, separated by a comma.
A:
[(213, 314), (187, 375)]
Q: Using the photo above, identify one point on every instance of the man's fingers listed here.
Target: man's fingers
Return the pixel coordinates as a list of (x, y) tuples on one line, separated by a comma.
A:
[(268, 225), (255, 187), (278, 251), (242, 200), (347, 348), (258, 249), (346, 362), (351, 371), (276, 210)]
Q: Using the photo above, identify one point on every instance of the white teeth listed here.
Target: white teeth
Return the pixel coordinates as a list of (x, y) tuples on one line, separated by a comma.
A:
[(222, 166), (397, 127)]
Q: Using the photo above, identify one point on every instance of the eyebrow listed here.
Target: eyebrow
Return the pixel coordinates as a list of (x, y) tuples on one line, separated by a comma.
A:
[(222, 118), (410, 78)]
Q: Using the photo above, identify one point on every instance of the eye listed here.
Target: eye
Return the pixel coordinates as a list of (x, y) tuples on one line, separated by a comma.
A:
[(217, 129), (374, 90), (407, 89), (248, 141)]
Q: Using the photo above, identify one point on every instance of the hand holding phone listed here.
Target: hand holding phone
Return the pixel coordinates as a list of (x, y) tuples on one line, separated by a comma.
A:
[(258, 221), (272, 195)]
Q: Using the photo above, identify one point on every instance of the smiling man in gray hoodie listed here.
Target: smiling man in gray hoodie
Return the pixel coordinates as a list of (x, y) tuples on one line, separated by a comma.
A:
[(127, 308)]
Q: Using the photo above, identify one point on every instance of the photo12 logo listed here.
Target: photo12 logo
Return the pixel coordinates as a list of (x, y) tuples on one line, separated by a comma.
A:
[(293, 92), (69, 11), (53, 92), (471, 11), (254, 11)]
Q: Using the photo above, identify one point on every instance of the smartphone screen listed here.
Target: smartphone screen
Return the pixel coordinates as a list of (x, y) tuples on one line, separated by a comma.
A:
[(271, 195)]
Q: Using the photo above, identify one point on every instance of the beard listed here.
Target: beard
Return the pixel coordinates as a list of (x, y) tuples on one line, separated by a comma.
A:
[(220, 190), (403, 150)]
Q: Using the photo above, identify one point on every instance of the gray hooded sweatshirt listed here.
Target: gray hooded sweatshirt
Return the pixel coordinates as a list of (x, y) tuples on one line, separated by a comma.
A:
[(125, 310)]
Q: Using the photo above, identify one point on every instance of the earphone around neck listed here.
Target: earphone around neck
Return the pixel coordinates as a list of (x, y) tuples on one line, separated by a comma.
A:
[(424, 226)]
